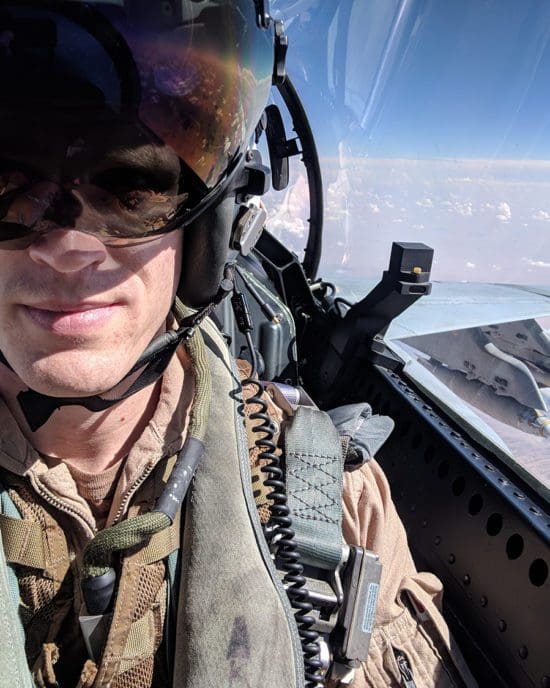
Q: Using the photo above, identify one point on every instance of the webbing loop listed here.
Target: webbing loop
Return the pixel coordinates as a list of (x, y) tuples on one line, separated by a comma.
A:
[(162, 544), (23, 542), (314, 467)]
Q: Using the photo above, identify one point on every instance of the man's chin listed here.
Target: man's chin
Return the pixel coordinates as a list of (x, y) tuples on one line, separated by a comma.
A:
[(69, 389), (73, 373), (64, 382)]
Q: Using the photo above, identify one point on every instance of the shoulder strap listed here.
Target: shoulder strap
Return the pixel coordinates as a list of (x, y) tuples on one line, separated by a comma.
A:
[(13, 661), (162, 544), (8, 515), (314, 467), (26, 541)]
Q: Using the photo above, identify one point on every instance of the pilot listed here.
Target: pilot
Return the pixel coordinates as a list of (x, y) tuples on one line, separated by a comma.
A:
[(124, 134)]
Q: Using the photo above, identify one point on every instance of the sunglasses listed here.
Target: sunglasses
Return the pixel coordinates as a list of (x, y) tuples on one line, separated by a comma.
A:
[(120, 207)]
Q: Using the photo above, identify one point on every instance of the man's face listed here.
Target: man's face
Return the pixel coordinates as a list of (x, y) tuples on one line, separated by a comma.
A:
[(76, 313)]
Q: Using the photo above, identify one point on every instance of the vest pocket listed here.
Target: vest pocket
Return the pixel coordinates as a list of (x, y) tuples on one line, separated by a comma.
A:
[(404, 655)]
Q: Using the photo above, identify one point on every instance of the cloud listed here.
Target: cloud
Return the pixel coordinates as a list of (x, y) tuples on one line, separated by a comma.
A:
[(464, 209), (505, 212), (536, 263), (484, 213), (280, 225)]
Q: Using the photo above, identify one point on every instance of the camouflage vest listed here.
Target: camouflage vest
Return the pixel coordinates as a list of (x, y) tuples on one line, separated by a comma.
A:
[(232, 625)]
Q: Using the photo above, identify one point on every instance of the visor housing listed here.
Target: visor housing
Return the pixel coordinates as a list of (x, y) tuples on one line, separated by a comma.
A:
[(194, 76)]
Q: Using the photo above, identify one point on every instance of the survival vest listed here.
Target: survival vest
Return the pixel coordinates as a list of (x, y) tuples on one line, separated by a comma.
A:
[(231, 618)]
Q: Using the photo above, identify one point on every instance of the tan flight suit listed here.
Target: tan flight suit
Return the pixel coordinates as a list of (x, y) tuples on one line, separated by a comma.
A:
[(370, 520)]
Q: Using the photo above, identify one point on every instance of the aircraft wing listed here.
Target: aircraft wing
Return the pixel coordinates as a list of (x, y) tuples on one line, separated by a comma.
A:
[(456, 306), (478, 347)]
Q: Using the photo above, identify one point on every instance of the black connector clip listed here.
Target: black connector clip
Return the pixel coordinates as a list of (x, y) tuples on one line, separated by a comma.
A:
[(242, 313)]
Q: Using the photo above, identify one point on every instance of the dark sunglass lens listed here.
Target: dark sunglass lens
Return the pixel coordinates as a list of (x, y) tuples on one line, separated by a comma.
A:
[(14, 236)]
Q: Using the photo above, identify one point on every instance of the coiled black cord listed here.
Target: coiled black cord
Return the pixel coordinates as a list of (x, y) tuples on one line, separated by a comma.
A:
[(281, 535)]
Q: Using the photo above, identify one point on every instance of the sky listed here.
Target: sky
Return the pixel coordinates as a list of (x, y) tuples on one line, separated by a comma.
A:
[(464, 79), (425, 78), (432, 121)]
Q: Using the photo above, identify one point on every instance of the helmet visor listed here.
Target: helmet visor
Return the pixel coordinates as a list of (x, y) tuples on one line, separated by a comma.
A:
[(191, 77)]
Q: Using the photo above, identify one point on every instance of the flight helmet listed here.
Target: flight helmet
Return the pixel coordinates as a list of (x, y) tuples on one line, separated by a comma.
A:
[(193, 75)]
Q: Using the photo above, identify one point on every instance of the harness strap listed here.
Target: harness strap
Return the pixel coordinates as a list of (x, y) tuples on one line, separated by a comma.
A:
[(314, 468), (23, 542), (167, 541), (13, 662), (26, 540), (161, 544), (140, 642)]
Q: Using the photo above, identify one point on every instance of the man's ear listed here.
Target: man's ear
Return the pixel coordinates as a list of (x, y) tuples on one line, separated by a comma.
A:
[(205, 251)]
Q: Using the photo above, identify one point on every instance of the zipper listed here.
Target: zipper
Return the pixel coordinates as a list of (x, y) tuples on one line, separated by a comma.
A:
[(58, 504), (132, 490), (61, 506), (404, 669)]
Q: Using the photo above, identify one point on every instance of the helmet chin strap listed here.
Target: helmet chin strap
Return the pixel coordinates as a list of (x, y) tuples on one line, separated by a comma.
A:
[(38, 408)]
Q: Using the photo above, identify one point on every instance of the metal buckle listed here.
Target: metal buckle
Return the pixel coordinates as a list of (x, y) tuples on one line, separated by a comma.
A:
[(356, 621), (345, 608), (326, 594)]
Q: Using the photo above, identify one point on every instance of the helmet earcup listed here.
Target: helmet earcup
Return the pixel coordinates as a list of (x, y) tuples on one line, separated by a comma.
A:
[(205, 252)]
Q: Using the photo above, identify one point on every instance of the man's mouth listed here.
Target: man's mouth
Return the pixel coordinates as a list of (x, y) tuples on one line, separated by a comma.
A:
[(71, 319)]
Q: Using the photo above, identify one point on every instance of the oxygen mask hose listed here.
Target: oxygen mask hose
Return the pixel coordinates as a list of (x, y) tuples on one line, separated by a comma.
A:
[(282, 534), (99, 579)]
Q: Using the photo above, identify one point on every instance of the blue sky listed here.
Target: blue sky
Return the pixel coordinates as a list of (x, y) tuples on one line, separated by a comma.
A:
[(432, 120), (426, 78)]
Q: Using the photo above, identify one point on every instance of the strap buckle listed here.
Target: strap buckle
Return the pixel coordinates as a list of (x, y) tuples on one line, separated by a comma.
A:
[(345, 609), (326, 594), (357, 615)]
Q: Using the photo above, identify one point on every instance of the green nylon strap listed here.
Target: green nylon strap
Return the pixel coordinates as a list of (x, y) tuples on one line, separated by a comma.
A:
[(139, 529), (314, 467), (123, 535), (13, 662)]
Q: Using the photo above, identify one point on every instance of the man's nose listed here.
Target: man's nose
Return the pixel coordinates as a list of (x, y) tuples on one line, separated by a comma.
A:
[(66, 207), (67, 250)]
